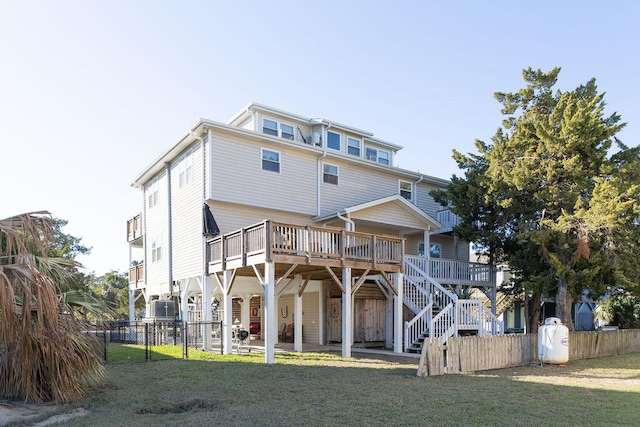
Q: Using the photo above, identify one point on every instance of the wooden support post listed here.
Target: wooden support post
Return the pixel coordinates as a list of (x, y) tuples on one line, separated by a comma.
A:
[(270, 313), (399, 322), (347, 313), (227, 322), (297, 310), (207, 297)]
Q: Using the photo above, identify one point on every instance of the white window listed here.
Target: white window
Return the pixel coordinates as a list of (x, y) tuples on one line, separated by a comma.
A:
[(286, 131), (156, 248), (406, 190), (383, 157), (330, 174), (270, 160), (152, 192), (333, 140), (375, 155), (185, 169), (353, 146), (271, 127)]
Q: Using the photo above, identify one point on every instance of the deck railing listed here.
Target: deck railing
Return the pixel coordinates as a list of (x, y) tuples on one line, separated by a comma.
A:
[(448, 220), (134, 228), (454, 272), (262, 241), (136, 274)]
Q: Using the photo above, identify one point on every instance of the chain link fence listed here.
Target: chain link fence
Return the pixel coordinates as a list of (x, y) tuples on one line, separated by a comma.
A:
[(124, 341)]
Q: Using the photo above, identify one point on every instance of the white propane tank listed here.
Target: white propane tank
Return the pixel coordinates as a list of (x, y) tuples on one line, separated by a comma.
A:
[(553, 342)]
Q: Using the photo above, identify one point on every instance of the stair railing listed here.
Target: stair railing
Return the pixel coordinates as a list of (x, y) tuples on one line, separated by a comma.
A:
[(417, 286), (489, 322), (416, 328), (444, 325)]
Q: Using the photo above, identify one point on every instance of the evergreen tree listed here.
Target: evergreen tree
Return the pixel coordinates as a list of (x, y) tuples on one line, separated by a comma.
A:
[(563, 193)]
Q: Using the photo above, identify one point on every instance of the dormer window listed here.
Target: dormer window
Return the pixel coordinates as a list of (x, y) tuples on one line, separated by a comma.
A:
[(353, 146), (273, 128), (333, 140), (378, 156)]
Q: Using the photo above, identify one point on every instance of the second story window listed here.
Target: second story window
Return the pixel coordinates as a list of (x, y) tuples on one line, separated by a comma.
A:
[(333, 140), (271, 127), (406, 190), (330, 174), (270, 160), (375, 155), (353, 146), (156, 248), (185, 169), (152, 192)]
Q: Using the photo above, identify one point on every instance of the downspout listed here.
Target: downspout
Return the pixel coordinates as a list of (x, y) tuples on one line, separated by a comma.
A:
[(167, 167), (204, 197), (415, 185), (349, 221)]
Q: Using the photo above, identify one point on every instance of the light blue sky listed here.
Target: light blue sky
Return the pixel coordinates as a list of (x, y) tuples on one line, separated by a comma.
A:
[(92, 91)]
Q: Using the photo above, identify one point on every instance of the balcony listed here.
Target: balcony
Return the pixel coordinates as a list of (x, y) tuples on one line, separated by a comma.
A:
[(304, 245), (134, 228), (448, 220), (452, 272), (136, 276)]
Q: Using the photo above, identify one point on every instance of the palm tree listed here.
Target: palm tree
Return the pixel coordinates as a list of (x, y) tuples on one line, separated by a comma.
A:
[(44, 354)]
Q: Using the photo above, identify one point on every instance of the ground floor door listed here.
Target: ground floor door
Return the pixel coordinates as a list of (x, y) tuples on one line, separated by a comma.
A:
[(369, 320)]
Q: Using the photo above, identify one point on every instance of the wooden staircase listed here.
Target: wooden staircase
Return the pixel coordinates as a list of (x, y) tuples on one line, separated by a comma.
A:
[(438, 312)]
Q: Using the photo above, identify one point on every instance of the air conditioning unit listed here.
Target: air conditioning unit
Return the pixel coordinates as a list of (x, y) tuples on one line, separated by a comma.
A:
[(162, 309), (316, 139)]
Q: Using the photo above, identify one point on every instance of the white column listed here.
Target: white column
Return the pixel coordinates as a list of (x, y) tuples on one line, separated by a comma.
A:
[(347, 314), (245, 313), (227, 321), (399, 322), (269, 313), (184, 304), (297, 311), (389, 321), (132, 305), (322, 318), (207, 297)]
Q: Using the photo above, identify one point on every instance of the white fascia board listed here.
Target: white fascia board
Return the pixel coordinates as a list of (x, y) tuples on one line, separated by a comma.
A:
[(395, 198), (167, 155)]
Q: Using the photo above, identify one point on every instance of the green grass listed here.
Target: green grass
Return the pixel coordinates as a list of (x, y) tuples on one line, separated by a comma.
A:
[(314, 389)]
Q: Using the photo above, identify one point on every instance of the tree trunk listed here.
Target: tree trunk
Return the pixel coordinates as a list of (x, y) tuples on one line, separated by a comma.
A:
[(532, 316), (564, 301)]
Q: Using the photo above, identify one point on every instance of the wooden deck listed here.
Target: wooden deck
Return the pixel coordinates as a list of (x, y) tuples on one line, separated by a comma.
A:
[(306, 246)]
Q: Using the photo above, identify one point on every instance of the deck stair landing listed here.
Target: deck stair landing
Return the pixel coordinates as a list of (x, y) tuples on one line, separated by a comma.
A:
[(438, 312)]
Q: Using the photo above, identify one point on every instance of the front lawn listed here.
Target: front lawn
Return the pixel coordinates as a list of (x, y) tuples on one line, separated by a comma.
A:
[(314, 389)]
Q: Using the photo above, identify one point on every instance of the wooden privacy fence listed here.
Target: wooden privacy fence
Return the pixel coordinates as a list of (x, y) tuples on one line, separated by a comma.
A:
[(477, 353)]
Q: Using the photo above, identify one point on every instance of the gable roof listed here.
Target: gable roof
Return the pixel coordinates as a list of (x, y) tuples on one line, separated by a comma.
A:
[(392, 210)]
